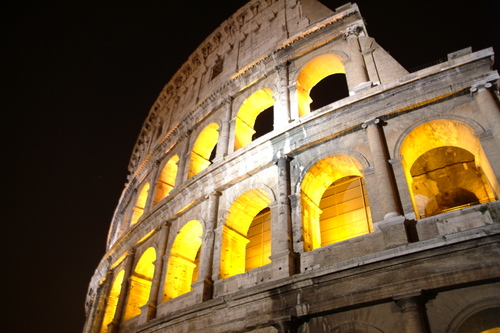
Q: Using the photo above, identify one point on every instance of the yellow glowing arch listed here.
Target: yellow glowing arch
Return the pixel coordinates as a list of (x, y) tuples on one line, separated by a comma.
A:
[(248, 112), (166, 181), (140, 284), (340, 175), (112, 301), (445, 167), (140, 204), (182, 262), (202, 149), (234, 238), (311, 74)]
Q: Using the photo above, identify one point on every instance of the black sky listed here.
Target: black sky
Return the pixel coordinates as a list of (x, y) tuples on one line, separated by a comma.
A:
[(79, 78)]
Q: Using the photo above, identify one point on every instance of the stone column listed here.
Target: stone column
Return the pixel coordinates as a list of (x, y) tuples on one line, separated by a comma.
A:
[(152, 188), (183, 160), (207, 248), (393, 226), (282, 114), (223, 144), (159, 272), (296, 220), (293, 102), (96, 313), (356, 73), (282, 254), (383, 172), (488, 106), (413, 314), (114, 326)]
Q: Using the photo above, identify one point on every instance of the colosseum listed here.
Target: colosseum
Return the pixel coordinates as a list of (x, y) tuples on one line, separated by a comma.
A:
[(293, 177)]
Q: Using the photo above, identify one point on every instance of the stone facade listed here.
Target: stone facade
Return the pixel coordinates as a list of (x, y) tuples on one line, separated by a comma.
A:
[(375, 212)]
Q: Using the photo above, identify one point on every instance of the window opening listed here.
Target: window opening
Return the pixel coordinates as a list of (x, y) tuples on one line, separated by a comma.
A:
[(258, 249), (330, 89), (264, 123)]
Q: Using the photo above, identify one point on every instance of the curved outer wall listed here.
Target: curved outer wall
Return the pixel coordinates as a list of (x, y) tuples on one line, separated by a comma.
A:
[(177, 259)]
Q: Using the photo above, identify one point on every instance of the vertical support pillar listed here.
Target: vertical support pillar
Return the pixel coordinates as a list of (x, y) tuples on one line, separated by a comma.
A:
[(223, 144), (294, 102), (152, 189), (96, 313), (357, 76), (183, 160), (159, 272), (393, 226), (488, 106), (383, 171), (282, 99), (114, 326), (412, 314), (296, 221), (283, 257), (205, 271)]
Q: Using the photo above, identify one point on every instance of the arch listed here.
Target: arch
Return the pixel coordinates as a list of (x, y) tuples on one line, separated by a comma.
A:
[(260, 102), (315, 71), (334, 202), (112, 301), (248, 210), (446, 168), (480, 316), (182, 264), (203, 148), (140, 283), (140, 204), (166, 180), (355, 327)]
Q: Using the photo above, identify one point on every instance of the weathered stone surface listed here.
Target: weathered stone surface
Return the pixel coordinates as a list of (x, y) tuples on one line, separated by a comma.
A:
[(401, 266)]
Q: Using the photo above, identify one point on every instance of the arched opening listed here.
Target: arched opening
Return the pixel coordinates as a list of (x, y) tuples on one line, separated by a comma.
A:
[(330, 89), (112, 301), (203, 147), (446, 168), (140, 284), (335, 204), (140, 204), (182, 269), (315, 71), (166, 181), (484, 321), (246, 237), (258, 249), (264, 123), (246, 127)]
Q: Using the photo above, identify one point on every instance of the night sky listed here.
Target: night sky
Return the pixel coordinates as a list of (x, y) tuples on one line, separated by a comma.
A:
[(79, 78)]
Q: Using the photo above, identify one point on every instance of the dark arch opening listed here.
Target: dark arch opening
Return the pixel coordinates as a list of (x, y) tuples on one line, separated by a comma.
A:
[(331, 89), (264, 123)]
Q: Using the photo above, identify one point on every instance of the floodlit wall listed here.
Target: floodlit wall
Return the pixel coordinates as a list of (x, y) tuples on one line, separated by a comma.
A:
[(321, 221)]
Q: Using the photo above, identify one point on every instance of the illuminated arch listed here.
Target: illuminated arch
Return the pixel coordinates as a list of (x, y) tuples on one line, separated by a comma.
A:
[(112, 301), (182, 264), (140, 204), (140, 284), (254, 105), (334, 202), (203, 148), (166, 181), (248, 208), (315, 71), (446, 168)]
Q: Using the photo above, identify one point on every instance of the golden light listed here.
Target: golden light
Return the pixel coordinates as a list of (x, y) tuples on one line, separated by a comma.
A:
[(446, 168), (335, 206), (181, 268), (140, 284), (112, 301), (235, 233), (311, 74), (202, 149), (166, 181), (138, 209), (248, 112)]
